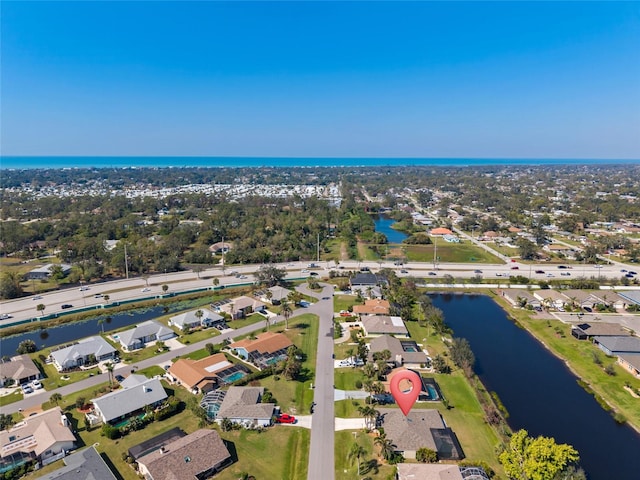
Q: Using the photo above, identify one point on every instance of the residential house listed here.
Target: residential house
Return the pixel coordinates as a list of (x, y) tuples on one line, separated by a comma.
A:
[(440, 232), (278, 294), (519, 297), (420, 428), (243, 405), (265, 350), (155, 443), (206, 374), (44, 272), (367, 283), (615, 346), (192, 320), (437, 471), (220, 248), (551, 298), (136, 394), (631, 297), (403, 352), (375, 306), (559, 249), (376, 325), (140, 335), (44, 437), (19, 368), (242, 307), (583, 298), (197, 456), (83, 352), (583, 331), (631, 363), (86, 464)]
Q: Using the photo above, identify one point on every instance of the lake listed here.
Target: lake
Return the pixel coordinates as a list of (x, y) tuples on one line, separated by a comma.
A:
[(538, 390), (383, 225)]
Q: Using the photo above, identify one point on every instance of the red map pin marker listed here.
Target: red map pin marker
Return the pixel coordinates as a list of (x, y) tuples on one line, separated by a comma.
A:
[(406, 399)]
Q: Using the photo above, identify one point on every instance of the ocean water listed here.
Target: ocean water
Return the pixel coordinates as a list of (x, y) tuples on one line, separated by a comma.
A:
[(11, 162)]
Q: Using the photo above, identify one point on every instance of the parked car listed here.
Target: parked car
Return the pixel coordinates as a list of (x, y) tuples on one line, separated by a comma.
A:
[(64, 306), (345, 313), (119, 378), (36, 384), (26, 388), (285, 418)]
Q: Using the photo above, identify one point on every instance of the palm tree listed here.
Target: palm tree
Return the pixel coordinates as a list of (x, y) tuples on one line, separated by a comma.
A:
[(355, 452), (40, 308), (369, 370), (165, 287), (101, 324), (369, 413), (106, 298), (286, 312), (199, 314), (386, 446), (109, 366), (55, 398), (216, 282)]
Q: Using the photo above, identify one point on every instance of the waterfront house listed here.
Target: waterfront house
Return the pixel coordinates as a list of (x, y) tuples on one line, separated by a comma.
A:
[(518, 297), (86, 464), (614, 346), (137, 393), (191, 320), (376, 325), (197, 456), (551, 298), (83, 352), (583, 331), (242, 307), (420, 428), (631, 363), (20, 369), (278, 294), (265, 350), (436, 471), (146, 332), (44, 437), (403, 352)]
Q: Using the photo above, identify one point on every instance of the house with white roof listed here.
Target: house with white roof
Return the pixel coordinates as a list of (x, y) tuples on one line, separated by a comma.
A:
[(192, 320), (136, 394), (83, 352), (140, 335)]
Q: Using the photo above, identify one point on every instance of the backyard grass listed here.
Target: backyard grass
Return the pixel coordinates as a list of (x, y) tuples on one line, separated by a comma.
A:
[(370, 465), (450, 252), (278, 453)]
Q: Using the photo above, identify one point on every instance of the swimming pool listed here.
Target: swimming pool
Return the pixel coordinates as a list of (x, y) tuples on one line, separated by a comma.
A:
[(234, 376), (433, 393)]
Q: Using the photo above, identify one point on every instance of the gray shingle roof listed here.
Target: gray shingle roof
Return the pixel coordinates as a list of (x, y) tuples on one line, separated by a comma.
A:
[(85, 347), (122, 402), (387, 342), (145, 329), (413, 431), (83, 465), (190, 317), (620, 344), (20, 366), (243, 403), (376, 324)]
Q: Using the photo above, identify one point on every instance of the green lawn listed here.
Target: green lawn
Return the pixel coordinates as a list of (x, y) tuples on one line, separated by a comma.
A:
[(370, 464), (450, 252), (12, 397), (151, 371), (198, 336), (343, 302), (346, 378), (280, 453), (250, 320), (53, 378)]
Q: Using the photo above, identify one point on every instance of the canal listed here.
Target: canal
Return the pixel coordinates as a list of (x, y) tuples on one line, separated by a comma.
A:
[(540, 393), (383, 225)]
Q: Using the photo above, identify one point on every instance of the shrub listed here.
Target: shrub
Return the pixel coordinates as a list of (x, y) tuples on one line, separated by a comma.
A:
[(358, 384), (110, 432)]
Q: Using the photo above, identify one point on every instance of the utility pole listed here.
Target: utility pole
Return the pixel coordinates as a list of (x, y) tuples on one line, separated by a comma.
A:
[(318, 249), (126, 262), (435, 251), (223, 255)]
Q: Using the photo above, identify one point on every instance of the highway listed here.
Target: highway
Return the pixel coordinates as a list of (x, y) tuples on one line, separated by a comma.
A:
[(129, 289)]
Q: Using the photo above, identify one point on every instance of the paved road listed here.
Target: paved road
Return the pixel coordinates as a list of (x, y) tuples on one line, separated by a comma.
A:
[(321, 450), (36, 399)]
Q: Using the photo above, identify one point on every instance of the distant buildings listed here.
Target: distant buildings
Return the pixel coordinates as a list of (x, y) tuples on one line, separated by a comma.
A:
[(44, 272)]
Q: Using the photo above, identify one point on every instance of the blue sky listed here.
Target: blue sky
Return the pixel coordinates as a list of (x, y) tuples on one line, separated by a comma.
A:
[(414, 79)]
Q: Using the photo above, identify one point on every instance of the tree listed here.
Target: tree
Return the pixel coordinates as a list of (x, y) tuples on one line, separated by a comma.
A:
[(26, 346), (462, 355), (6, 421), (285, 308), (165, 287), (55, 398), (216, 282), (270, 275), (426, 455), (106, 298), (101, 324), (199, 314), (386, 446), (356, 452), (527, 248), (369, 414), (40, 308), (210, 348), (539, 458), (10, 285), (110, 366)]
